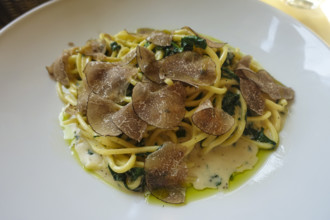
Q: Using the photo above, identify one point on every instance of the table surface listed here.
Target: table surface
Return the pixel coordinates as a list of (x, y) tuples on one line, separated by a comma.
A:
[(317, 20)]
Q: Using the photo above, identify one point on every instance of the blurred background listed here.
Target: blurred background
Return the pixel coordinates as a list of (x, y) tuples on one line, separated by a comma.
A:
[(11, 9), (315, 14)]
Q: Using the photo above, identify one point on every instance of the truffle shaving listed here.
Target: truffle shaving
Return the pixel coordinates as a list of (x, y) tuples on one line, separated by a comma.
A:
[(268, 85), (129, 123), (58, 70), (189, 67), (99, 115), (211, 120), (94, 47), (160, 38), (148, 64), (109, 80), (166, 172), (160, 106), (252, 95), (265, 82), (83, 93)]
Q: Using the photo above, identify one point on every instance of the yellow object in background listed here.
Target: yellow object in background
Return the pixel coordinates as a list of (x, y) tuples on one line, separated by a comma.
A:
[(317, 19)]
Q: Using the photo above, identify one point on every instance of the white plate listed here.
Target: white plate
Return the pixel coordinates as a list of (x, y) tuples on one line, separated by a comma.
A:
[(41, 180)]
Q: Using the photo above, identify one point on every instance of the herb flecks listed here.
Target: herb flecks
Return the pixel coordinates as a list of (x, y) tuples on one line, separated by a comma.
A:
[(90, 152), (216, 180)]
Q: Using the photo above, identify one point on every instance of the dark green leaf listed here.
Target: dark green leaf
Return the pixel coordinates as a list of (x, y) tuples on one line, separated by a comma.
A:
[(131, 176), (257, 135), (188, 42), (90, 152), (229, 102), (216, 179), (227, 73), (169, 50), (135, 172), (115, 46), (229, 59), (117, 176), (147, 44)]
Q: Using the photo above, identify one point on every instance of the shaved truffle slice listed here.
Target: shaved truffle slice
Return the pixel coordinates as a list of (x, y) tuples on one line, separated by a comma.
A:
[(211, 120), (109, 80), (163, 108), (129, 123), (242, 70), (160, 38), (58, 70), (210, 43), (268, 85), (148, 64), (263, 80), (83, 94), (99, 115), (246, 61), (252, 96), (166, 172), (189, 67), (94, 47)]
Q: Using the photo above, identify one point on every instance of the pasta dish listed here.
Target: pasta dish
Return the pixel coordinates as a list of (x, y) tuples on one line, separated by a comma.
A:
[(161, 111)]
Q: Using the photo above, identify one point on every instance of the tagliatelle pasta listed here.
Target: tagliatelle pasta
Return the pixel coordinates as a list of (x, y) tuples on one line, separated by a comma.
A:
[(160, 111)]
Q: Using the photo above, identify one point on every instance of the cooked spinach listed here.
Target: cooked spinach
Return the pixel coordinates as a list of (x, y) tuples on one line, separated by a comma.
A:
[(227, 73), (130, 175), (173, 49), (229, 101), (257, 135), (169, 50), (188, 42), (147, 44), (135, 173), (229, 59), (117, 176), (115, 46)]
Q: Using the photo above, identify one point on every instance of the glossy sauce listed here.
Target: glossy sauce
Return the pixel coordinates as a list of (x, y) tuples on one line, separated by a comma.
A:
[(223, 169)]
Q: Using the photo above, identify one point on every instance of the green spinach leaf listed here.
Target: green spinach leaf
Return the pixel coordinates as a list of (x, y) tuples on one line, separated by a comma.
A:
[(229, 102), (258, 135), (188, 42), (115, 46)]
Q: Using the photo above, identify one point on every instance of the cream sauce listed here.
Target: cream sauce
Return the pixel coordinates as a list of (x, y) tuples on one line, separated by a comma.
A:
[(95, 163), (213, 170), (87, 157)]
